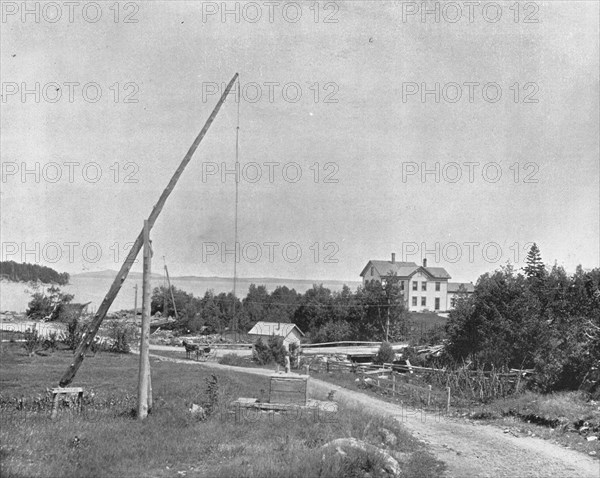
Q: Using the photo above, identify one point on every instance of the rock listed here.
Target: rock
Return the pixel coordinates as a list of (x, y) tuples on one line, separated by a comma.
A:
[(198, 411), (391, 465), (593, 453), (592, 438), (506, 430), (388, 437)]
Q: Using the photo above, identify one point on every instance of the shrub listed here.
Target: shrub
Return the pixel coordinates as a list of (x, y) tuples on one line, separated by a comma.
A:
[(51, 343), (74, 334), (277, 350), (232, 359), (32, 340), (385, 354), (121, 334), (261, 353)]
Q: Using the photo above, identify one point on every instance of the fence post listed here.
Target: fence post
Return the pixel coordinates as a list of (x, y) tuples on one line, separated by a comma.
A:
[(448, 404), (429, 396), (307, 366), (393, 384)]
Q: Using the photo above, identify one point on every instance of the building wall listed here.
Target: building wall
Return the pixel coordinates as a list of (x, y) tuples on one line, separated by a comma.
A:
[(368, 277), (430, 294)]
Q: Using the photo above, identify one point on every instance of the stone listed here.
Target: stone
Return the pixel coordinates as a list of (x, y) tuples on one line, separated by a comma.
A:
[(389, 438), (592, 438)]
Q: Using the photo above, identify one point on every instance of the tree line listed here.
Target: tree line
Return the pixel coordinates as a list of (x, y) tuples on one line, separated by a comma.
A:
[(538, 318), (373, 312), (16, 272)]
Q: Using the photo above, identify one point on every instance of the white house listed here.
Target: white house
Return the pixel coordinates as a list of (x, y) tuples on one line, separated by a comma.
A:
[(264, 330), (424, 288)]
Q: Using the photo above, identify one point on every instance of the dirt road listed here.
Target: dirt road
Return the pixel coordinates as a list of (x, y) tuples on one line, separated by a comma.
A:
[(469, 450)]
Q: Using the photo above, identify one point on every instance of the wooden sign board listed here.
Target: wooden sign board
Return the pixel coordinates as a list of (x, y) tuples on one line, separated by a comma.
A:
[(290, 389)]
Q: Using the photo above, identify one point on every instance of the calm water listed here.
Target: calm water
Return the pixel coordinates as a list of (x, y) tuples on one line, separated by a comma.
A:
[(15, 296)]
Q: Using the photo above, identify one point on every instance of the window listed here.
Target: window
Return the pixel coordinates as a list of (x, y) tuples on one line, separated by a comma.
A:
[(423, 301), (424, 285), (414, 301), (401, 285), (437, 303), (372, 268), (437, 286), (415, 286)]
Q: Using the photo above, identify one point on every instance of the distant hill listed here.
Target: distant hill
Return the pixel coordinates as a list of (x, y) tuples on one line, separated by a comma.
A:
[(17, 272)]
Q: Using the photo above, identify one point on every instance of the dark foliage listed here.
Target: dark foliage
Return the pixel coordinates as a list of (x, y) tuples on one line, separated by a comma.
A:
[(16, 272)]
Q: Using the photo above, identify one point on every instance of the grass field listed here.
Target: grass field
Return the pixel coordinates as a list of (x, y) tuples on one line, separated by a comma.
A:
[(106, 440)]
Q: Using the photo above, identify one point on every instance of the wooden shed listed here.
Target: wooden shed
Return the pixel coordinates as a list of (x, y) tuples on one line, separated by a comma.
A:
[(288, 331)]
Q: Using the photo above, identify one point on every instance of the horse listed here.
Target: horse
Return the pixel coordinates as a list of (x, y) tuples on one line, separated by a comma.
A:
[(191, 348)]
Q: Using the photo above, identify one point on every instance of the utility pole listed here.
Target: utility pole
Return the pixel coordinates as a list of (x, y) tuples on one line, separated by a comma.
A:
[(171, 290), (135, 302), (92, 329), (144, 387)]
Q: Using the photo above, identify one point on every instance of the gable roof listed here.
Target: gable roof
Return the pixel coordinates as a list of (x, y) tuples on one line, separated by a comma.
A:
[(404, 269), (454, 286), (281, 329), (385, 268)]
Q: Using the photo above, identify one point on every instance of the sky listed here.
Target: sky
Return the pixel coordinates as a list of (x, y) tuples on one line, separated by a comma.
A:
[(365, 128)]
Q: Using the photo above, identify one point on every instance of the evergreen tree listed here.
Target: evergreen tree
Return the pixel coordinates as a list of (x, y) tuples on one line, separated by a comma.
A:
[(535, 268)]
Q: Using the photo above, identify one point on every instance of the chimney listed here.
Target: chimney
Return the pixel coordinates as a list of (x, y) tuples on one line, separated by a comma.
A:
[(393, 257), (425, 262)]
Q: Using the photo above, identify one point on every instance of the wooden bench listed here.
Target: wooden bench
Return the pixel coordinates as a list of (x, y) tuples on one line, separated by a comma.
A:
[(56, 394)]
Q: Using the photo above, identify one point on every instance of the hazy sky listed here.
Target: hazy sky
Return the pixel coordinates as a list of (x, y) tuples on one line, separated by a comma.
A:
[(360, 120)]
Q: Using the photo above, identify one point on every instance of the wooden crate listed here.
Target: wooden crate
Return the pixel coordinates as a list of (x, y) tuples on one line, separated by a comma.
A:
[(288, 388)]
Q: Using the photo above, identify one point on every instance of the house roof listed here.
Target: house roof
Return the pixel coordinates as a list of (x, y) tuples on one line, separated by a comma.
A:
[(454, 286), (385, 268), (281, 329), (404, 269)]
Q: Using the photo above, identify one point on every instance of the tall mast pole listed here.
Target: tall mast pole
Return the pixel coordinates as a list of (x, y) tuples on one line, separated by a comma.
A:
[(91, 330), (237, 181)]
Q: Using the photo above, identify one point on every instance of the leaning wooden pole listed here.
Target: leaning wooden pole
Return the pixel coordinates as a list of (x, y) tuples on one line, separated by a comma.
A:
[(144, 374), (92, 328)]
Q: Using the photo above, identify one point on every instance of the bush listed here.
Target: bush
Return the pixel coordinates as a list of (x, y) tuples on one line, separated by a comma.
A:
[(385, 354), (74, 334), (234, 360), (122, 334), (277, 350), (51, 343), (48, 305), (32, 340), (260, 353), (273, 352)]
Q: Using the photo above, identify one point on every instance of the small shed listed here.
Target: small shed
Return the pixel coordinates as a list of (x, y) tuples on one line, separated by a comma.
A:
[(288, 331)]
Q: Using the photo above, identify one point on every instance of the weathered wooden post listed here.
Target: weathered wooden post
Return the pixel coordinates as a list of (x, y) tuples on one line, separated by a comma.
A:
[(393, 384), (429, 396), (92, 328), (144, 389), (448, 404)]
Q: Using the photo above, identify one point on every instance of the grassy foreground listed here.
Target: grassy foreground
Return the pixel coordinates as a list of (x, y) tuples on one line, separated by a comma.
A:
[(105, 440)]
